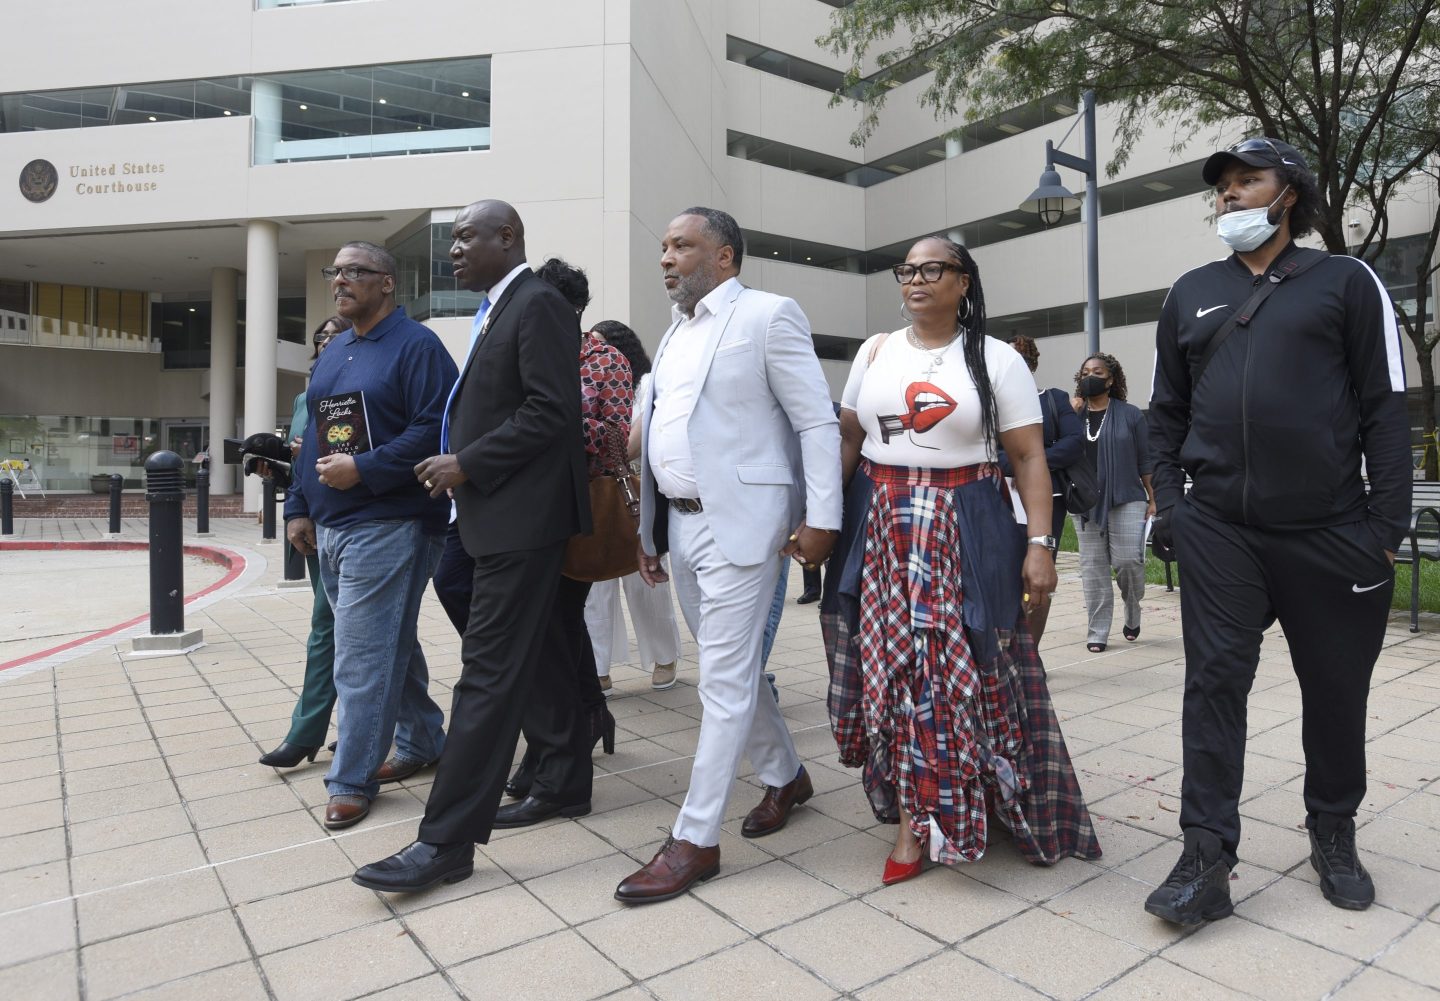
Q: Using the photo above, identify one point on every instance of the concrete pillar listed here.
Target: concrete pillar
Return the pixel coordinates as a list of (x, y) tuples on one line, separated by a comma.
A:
[(319, 299), (262, 323), (224, 284), (266, 110)]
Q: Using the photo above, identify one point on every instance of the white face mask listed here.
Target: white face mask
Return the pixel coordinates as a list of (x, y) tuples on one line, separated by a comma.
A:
[(1246, 229)]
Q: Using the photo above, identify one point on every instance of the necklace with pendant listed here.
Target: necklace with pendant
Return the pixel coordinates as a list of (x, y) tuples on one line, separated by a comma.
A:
[(1098, 428), (936, 355)]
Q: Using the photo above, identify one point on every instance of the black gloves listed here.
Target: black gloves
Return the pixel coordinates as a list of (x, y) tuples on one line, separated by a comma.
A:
[(1162, 544)]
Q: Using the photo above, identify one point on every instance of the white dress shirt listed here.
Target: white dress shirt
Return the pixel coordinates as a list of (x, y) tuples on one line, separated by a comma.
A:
[(676, 381)]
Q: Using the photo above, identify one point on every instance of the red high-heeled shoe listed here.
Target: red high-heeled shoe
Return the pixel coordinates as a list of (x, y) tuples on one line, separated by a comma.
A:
[(898, 872)]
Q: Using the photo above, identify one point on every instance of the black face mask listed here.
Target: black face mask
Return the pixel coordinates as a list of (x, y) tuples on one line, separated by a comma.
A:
[(1092, 385)]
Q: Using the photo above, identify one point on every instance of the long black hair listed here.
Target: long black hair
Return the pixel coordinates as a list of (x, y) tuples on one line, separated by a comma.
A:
[(627, 342), (971, 320)]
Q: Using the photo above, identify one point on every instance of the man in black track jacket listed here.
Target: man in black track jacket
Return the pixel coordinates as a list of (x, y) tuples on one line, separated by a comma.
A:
[(1271, 418)]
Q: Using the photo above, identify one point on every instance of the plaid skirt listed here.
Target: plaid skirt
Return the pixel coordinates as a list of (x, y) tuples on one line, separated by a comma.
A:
[(934, 729)]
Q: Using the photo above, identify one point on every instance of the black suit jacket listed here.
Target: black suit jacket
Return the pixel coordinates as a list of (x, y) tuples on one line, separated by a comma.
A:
[(515, 425)]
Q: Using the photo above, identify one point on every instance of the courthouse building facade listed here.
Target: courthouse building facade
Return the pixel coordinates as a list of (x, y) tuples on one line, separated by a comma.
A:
[(179, 172)]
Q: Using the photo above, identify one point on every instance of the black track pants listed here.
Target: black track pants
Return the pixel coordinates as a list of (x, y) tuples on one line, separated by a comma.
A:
[(1330, 590)]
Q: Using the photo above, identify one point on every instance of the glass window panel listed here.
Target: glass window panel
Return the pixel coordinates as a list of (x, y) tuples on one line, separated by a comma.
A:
[(155, 102)]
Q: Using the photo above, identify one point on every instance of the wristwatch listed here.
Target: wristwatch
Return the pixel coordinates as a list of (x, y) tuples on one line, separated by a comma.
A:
[(1048, 541)]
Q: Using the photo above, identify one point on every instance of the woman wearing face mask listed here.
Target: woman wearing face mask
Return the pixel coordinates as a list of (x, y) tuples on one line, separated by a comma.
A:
[(1112, 533)]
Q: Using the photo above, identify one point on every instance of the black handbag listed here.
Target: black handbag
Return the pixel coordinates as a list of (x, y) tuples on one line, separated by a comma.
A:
[(1078, 483)]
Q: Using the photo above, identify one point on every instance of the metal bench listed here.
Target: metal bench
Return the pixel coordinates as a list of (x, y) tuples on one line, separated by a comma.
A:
[(1424, 541)]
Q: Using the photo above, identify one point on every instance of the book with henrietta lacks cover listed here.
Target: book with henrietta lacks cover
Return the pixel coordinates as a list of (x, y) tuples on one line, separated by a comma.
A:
[(340, 424)]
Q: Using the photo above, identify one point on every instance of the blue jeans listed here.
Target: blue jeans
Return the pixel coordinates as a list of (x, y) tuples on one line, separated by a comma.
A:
[(777, 608), (375, 575)]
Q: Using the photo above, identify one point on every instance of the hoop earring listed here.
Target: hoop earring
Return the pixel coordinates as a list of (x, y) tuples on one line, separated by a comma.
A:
[(968, 311), (906, 314)]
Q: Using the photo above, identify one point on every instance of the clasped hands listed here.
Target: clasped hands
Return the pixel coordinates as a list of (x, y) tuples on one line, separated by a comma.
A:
[(810, 546)]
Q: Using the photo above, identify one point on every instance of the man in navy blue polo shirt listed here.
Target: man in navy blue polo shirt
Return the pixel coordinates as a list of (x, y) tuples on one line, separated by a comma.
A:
[(376, 398)]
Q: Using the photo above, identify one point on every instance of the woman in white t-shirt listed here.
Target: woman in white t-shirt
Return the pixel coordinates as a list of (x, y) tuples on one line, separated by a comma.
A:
[(948, 711)]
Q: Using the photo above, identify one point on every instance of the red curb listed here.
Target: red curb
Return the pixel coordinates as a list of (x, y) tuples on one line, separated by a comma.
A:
[(224, 557)]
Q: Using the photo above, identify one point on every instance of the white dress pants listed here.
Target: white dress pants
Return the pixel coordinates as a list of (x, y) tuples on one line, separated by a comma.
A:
[(652, 612), (726, 607)]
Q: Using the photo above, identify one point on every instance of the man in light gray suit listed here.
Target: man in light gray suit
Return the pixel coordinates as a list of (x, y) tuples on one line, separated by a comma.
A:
[(740, 461)]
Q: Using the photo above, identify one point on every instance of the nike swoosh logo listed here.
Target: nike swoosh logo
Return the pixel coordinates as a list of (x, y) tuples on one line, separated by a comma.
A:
[(1361, 590), (1201, 312)]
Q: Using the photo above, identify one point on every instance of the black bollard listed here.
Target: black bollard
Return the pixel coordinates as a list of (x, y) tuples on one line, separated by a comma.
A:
[(165, 490), (267, 509), (7, 507), (117, 482), (202, 501), (294, 563)]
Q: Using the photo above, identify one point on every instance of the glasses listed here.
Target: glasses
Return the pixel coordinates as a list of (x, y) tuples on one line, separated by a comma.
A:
[(351, 273), (931, 271), (1259, 145)]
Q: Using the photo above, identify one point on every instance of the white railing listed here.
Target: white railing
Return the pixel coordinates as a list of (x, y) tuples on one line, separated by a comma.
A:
[(344, 147)]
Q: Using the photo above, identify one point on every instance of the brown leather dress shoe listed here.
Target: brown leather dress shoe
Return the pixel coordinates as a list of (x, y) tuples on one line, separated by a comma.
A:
[(676, 867), (345, 811), (398, 768), (774, 809)]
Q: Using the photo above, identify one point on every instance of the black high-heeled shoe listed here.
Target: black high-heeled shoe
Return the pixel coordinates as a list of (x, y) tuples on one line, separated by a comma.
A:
[(602, 729), (288, 755)]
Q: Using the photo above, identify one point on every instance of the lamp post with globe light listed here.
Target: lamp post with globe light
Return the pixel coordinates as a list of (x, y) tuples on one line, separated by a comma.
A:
[(1051, 200)]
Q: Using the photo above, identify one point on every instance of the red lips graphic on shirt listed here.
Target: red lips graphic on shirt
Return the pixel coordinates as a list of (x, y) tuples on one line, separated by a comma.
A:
[(926, 405)]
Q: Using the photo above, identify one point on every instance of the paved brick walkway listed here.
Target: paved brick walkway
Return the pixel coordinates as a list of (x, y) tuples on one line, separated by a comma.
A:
[(147, 855)]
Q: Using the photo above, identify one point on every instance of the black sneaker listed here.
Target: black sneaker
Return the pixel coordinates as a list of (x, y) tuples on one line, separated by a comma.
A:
[(1343, 879), (1198, 888)]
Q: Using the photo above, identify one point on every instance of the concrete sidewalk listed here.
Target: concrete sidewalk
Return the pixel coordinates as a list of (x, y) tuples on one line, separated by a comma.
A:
[(147, 855)]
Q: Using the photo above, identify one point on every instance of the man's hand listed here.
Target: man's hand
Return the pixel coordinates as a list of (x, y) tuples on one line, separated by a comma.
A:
[(338, 471), (295, 444), (440, 474), (651, 570), (1162, 540), (810, 546), (301, 533)]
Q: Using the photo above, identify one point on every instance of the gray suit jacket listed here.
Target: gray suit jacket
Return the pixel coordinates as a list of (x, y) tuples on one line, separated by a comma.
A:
[(763, 434)]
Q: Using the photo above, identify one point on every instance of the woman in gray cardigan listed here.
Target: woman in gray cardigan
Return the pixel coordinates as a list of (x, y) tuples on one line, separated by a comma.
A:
[(1112, 533)]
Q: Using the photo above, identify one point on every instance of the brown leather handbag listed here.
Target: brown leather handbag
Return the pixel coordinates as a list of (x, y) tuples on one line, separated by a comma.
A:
[(609, 551)]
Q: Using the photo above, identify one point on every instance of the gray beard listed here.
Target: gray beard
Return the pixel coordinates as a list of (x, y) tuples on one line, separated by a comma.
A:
[(691, 288)]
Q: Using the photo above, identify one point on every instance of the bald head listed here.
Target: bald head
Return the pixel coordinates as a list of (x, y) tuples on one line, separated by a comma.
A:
[(488, 243)]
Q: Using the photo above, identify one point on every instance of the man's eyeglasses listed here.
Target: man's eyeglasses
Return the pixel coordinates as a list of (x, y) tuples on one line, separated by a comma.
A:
[(931, 271), (350, 272)]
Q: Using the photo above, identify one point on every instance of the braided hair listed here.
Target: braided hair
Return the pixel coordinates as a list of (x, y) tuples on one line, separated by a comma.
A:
[(1112, 365), (971, 320)]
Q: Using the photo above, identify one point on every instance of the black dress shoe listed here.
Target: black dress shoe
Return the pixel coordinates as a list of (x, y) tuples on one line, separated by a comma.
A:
[(288, 755), (518, 785), (531, 811), (808, 596), (418, 867)]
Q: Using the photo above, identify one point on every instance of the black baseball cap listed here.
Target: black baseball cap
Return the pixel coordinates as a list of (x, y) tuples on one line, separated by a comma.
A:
[(1258, 152)]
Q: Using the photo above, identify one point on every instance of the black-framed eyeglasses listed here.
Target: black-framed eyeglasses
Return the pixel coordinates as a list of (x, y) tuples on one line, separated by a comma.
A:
[(931, 271), (350, 271)]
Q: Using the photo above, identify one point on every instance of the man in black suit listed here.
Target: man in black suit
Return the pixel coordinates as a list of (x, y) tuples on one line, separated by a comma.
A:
[(515, 463)]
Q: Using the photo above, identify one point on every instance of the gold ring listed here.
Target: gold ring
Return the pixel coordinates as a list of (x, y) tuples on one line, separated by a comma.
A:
[(793, 538)]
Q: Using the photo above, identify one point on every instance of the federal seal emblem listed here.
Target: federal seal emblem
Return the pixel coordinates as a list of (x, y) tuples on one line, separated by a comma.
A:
[(38, 180)]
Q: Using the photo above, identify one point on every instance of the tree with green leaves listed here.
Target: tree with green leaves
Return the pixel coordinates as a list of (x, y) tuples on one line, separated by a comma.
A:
[(1354, 84)]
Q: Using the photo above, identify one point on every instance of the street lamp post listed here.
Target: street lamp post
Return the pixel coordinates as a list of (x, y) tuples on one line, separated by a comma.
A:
[(1051, 200)]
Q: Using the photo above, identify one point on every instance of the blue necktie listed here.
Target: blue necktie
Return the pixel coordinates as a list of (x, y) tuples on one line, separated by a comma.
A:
[(477, 325)]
